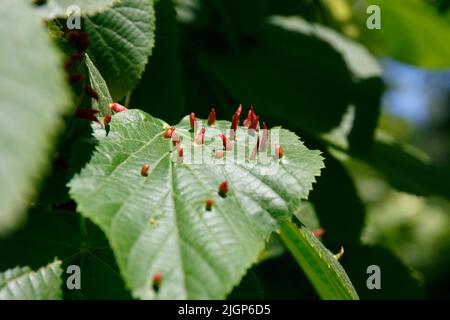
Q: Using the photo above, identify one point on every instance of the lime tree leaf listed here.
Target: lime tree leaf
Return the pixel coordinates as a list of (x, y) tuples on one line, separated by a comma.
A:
[(405, 32), (298, 93), (58, 8), (159, 224), (121, 39), (366, 72), (358, 59), (403, 166), (319, 264), (22, 283), (74, 241), (407, 171), (31, 108), (99, 85)]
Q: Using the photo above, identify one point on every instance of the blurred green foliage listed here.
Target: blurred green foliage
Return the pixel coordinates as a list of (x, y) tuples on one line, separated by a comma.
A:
[(310, 66)]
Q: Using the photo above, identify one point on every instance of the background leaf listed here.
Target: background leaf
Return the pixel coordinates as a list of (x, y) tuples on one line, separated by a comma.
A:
[(405, 32), (74, 241), (159, 223), (58, 8), (291, 87), (121, 39), (21, 283), (31, 108), (406, 168), (99, 85), (322, 268)]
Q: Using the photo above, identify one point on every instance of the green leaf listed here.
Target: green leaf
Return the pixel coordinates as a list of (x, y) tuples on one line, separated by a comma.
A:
[(22, 283), (406, 170), (159, 223), (310, 82), (367, 111), (74, 241), (366, 72), (99, 85), (404, 167), (31, 107), (121, 39), (405, 32), (319, 264), (58, 8), (359, 60)]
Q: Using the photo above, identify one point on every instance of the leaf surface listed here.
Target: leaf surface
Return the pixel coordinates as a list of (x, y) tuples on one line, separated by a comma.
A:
[(159, 223), (58, 8), (319, 264), (34, 96), (99, 85), (121, 39), (22, 283)]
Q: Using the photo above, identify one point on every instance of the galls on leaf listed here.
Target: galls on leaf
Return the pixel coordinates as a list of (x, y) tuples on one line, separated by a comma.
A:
[(235, 122), (223, 189), (107, 120), (318, 233), (255, 150), (156, 283), (76, 56), (209, 203), (265, 137), (79, 39), (226, 143), (117, 107), (145, 169), (219, 154), (175, 138), (212, 117), (90, 92), (200, 138), (180, 153), (193, 121), (252, 120), (87, 114), (168, 133), (278, 151), (74, 77)]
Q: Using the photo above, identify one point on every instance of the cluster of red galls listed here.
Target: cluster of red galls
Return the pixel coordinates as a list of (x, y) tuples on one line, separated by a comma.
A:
[(251, 123)]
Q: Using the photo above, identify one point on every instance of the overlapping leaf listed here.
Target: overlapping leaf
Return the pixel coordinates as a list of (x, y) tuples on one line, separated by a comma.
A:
[(405, 32), (75, 242), (99, 85), (59, 8), (22, 283), (121, 39), (159, 224), (322, 268), (31, 108)]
